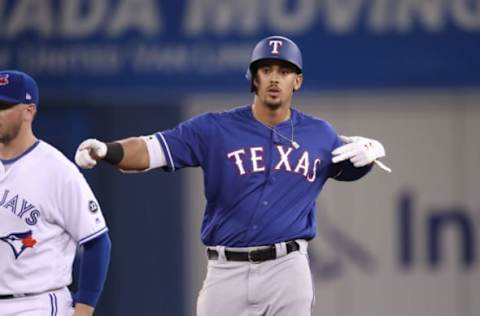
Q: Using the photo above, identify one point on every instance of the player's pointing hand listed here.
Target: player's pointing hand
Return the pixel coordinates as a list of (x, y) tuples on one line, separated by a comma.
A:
[(360, 151), (89, 151)]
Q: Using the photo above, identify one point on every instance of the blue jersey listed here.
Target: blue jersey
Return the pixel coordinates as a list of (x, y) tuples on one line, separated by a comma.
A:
[(259, 188)]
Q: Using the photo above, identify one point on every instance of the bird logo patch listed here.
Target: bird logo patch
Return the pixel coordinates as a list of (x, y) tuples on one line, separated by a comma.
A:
[(19, 242)]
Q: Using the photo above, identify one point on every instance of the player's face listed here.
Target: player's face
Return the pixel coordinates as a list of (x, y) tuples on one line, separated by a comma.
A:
[(275, 82), (11, 121)]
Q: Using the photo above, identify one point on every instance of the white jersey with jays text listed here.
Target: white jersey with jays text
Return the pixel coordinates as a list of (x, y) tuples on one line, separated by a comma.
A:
[(47, 209)]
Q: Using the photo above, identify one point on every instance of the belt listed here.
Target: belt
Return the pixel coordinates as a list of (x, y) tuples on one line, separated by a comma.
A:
[(258, 255), (10, 296)]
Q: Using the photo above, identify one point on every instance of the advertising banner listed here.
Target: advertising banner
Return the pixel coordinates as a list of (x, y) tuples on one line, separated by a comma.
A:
[(170, 47)]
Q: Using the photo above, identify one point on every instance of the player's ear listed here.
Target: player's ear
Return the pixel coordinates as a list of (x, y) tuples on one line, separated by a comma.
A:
[(30, 111), (298, 82), (255, 83)]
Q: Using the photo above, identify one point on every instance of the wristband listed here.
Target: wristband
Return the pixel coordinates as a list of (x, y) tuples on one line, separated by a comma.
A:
[(114, 153)]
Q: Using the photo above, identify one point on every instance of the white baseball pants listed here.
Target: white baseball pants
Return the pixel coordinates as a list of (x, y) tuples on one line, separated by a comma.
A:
[(55, 303)]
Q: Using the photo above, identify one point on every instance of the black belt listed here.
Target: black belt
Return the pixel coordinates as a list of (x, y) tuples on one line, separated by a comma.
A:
[(10, 296), (258, 255)]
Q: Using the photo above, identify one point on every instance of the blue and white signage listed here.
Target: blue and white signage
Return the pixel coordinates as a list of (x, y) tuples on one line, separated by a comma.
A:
[(204, 45)]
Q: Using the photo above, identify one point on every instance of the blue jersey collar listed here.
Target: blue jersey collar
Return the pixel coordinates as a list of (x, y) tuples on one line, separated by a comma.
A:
[(294, 117), (8, 161)]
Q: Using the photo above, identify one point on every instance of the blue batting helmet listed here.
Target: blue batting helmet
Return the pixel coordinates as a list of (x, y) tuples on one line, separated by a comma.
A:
[(275, 47)]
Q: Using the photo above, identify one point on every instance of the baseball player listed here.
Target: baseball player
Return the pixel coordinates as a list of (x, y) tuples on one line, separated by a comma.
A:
[(264, 165), (47, 210)]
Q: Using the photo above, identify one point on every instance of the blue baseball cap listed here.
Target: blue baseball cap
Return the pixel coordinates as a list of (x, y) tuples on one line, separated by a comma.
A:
[(17, 87)]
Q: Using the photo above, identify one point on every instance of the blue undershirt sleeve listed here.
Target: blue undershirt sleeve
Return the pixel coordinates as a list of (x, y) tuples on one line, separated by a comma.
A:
[(93, 269)]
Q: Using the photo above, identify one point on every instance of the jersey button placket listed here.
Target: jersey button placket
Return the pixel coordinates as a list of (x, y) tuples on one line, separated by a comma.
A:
[(268, 181)]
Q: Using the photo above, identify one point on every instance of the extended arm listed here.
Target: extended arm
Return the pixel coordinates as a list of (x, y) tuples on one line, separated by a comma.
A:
[(130, 154)]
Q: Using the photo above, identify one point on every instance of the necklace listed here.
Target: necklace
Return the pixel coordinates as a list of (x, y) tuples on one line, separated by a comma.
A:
[(291, 140)]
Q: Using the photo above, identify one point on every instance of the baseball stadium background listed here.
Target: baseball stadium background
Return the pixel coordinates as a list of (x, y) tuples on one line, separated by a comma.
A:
[(406, 72)]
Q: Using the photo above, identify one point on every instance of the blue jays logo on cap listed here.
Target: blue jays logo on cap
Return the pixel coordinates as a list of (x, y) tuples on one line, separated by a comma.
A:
[(19, 242), (3, 79), (18, 87)]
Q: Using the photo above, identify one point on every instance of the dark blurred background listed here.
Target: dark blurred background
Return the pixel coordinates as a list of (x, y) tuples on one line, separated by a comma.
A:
[(406, 72)]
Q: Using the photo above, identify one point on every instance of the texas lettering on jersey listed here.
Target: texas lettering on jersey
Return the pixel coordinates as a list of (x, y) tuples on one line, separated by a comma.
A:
[(19, 206), (304, 165)]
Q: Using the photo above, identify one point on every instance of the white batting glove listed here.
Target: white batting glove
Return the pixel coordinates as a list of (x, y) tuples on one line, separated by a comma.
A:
[(360, 151), (89, 151)]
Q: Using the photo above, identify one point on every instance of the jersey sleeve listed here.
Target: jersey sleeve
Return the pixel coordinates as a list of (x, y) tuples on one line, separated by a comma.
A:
[(334, 141), (185, 145), (337, 143), (80, 210), (345, 170)]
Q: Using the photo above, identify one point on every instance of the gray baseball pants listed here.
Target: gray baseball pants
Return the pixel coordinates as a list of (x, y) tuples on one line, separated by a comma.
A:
[(280, 287)]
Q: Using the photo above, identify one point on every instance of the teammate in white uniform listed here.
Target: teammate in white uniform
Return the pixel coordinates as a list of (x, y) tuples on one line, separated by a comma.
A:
[(47, 210)]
